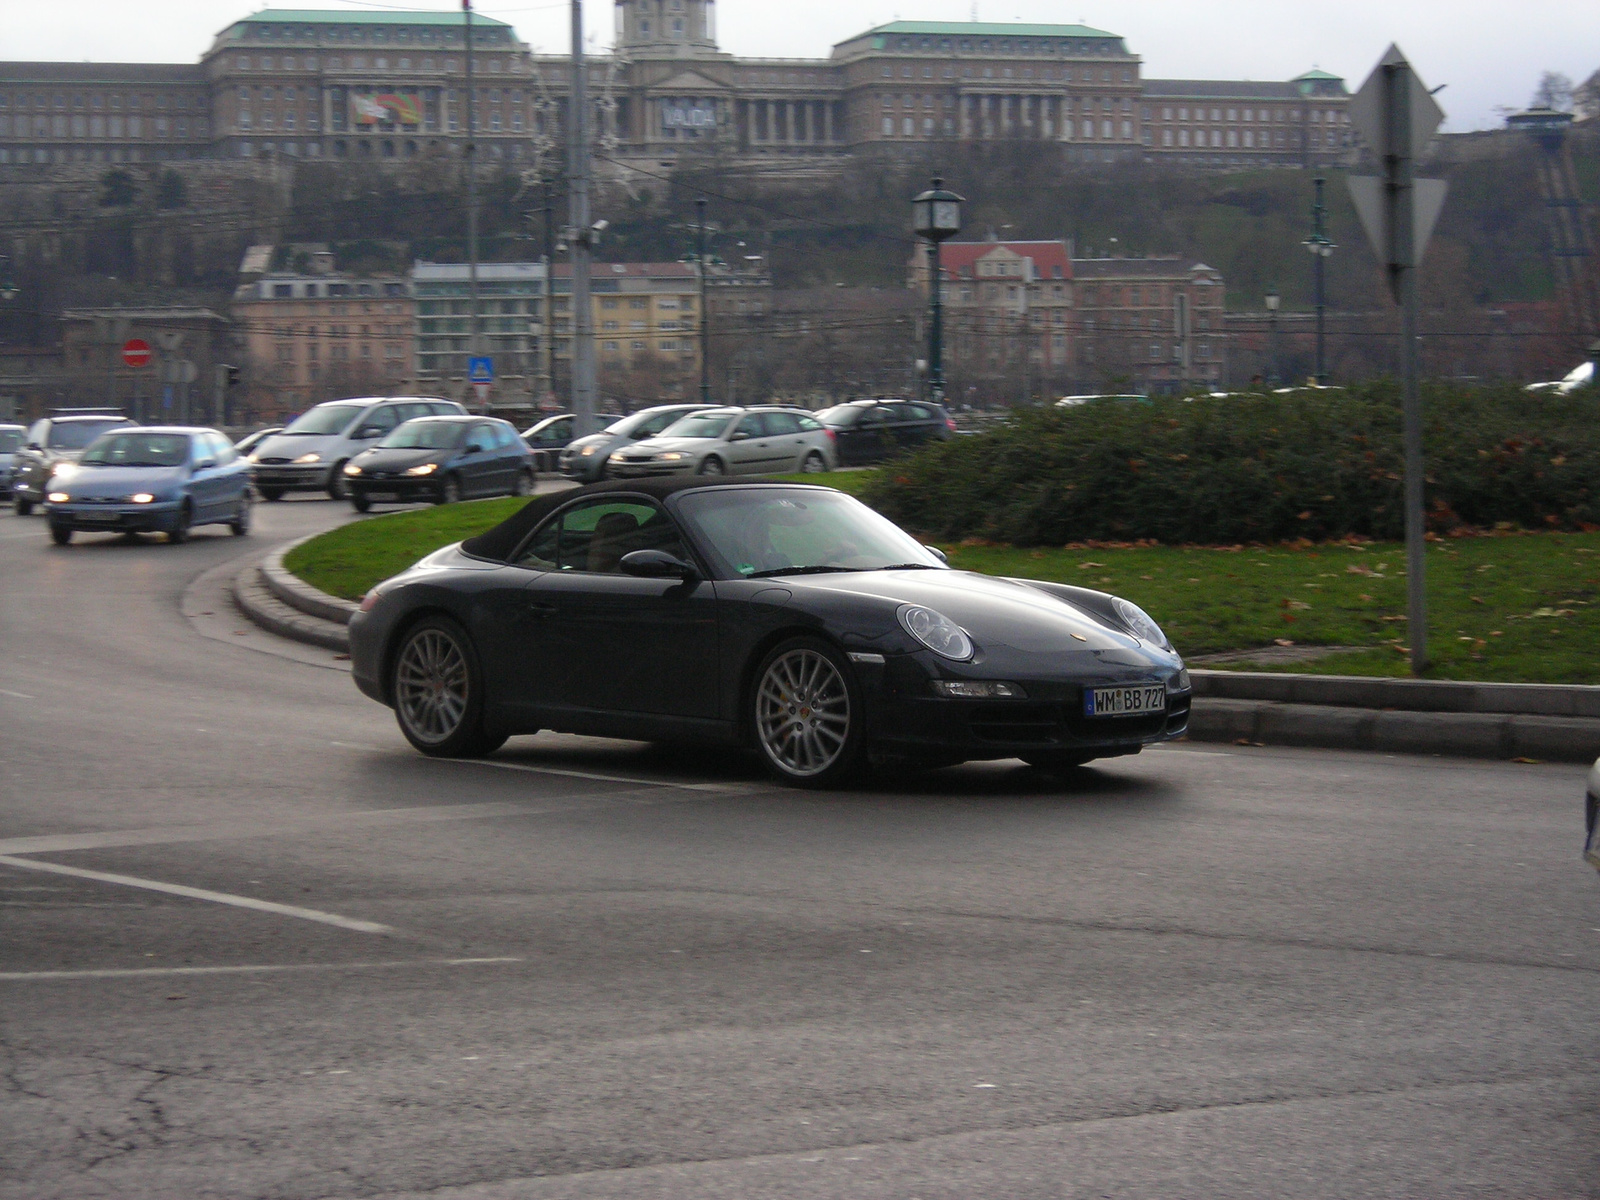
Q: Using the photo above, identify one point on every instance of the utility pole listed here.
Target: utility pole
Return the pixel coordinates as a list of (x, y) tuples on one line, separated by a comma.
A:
[(1396, 115), (1321, 248), (583, 387), (549, 292), (474, 343), (705, 313)]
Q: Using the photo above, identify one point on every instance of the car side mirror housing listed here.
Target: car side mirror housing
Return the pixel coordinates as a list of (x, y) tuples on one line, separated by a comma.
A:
[(35, 446), (937, 553), (656, 564), (369, 433), (205, 464), (474, 448), (740, 436)]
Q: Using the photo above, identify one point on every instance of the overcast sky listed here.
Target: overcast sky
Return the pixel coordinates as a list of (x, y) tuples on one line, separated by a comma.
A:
[(1488, 52)]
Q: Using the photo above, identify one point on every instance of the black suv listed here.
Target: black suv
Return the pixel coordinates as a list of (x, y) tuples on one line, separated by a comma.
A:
[(867, 431), (59, 438)]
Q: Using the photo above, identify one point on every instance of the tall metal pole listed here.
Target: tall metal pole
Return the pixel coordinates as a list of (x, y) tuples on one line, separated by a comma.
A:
[(936, 326), (583, 387), (705, 315), (1402, 178), (549, 293), (474, 344), (1319, 250)]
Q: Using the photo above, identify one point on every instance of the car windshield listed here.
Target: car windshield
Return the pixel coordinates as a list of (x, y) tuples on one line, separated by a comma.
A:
[(10, 439), (780, 531), (325, 418), (424, 435), (642, 424), (699, 425), (75, 435), (138, 449)]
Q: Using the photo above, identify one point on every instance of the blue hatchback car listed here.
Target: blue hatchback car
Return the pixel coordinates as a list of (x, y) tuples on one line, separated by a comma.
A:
[(160, 479)]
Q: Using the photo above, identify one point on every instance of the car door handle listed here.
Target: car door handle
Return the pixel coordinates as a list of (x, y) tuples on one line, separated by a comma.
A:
[(541, 608)]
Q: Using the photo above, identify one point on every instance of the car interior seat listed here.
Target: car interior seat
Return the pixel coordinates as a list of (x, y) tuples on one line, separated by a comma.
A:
[(614, 535)]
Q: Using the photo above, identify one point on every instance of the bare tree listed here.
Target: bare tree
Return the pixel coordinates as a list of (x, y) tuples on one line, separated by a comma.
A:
[(1554, 91)]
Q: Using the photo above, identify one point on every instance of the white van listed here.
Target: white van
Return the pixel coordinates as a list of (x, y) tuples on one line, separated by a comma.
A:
[(309, 455)]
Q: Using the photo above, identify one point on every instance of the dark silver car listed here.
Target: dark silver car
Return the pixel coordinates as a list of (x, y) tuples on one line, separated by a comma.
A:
[(585, 459), (10, 442), (52, 442), (731, 441)]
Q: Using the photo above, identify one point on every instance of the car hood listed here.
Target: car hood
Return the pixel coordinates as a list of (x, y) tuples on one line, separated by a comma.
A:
[(399, 459), (1016, 628), (292, 446), (98, 482)]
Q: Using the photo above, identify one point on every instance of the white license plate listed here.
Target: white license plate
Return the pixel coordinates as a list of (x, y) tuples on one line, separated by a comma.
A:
[(1124, 701), (380, 496), (97, 516)]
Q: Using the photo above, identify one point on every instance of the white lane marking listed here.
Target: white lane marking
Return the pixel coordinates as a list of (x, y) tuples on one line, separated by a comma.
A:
[(178, 889), (253, 969), (18, 695), (723, 789)]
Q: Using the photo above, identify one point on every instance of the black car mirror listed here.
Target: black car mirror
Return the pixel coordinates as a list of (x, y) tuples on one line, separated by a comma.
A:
[(205, 464), (474, 448), (937, 553), (656, 564), (35, 446)]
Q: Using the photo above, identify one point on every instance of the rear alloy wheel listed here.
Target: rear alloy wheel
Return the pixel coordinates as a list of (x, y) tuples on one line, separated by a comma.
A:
[(524, 484), (814, 464), (713, 466), (437, 688), (806, 715), (450, 490), (60, 534), (359, 501), (271, 495), (240, 525), (336, 485), (180, 532)]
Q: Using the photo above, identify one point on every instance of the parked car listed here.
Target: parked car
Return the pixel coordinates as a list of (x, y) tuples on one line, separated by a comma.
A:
[(868, 431), (548, 438), (250, 441), (148, 479), (443, 459), (585, 459), (1591, 841), (11, 439), (51, 442), (787, 617), (310, 454), (731, 441), (1077, 401), (1580, 376)]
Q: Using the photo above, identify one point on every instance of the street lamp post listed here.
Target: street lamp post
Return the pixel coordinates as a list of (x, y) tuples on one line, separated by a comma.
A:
[(1321, 248), (1272, 300), (936, 216), (705, 316)]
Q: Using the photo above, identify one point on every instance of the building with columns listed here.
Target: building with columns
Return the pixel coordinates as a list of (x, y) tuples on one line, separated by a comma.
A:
[(390, 85)]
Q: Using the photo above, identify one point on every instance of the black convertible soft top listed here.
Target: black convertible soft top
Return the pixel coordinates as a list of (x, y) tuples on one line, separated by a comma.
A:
[(498, 543)]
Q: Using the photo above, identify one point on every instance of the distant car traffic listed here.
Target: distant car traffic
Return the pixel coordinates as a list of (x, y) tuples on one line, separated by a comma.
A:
[(443, 459), (52, 442), (548, 438), (586, 459), (868, 431), (151, 479), (731, 441), (310, 453), (11, 438), (250, 441), (787, 617)]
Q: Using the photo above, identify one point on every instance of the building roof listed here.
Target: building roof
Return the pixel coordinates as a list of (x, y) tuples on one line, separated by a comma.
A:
[(1136, 268), (1317, 73), (988, 29), (1219, 89), (959, 258), (313, 16), (111, 73), (145, 316)]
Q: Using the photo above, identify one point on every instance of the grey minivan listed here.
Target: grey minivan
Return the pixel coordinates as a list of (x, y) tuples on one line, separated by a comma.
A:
[(310, 454)]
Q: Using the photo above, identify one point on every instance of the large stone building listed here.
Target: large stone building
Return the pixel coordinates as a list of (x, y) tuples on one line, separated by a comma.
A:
[(391, 85)]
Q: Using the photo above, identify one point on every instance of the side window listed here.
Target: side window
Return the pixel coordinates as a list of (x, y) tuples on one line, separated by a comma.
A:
[(919, 413), (655, 425), (780, 423), (895, 412), (382, 421), (750, 426), (873, 418), (593, 536)]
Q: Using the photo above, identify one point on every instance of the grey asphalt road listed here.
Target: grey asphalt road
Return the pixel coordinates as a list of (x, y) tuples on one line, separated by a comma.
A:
[(251, 945)]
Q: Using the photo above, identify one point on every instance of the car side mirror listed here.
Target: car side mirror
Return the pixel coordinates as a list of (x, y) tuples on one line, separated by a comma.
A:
[(740, 436), (364, 434), (35, 446), (205, 464), (656, 564), (937, 553), (474, 448)]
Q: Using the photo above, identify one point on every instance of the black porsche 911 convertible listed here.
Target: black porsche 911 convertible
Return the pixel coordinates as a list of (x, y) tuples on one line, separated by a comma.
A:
[(788, 617)]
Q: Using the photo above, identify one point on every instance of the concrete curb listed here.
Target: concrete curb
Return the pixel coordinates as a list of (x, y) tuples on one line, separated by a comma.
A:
[(1410, 695), (261, 605), (296, 593)]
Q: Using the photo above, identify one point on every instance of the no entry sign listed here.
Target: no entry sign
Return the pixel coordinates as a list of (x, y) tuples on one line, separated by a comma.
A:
[(136, 352)]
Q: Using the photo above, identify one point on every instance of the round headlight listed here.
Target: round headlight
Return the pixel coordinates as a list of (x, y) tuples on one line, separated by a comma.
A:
[(1139, 623), (351, 469), (588, 450), (937, 632), (142, 498), (58, 498), (309, 458)]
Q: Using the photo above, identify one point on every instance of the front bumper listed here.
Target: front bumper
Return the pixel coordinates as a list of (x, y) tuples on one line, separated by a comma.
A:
[(585, 470), (119, 517), (622, 469), (291, 478), (405, 490)]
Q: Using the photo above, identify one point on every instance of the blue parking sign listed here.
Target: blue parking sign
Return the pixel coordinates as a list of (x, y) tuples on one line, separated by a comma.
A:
[(480, 370)]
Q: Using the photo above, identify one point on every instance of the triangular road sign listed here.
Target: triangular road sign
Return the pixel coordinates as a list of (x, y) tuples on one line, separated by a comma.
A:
[(1368, 108), (1372, 206)]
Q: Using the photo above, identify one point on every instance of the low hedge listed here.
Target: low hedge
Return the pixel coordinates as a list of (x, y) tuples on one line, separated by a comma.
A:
[(1255, 468)]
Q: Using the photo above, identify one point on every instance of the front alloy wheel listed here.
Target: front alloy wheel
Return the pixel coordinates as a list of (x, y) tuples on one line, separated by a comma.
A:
[(437, 688), (713, 466), (180, 529), (806, 716)]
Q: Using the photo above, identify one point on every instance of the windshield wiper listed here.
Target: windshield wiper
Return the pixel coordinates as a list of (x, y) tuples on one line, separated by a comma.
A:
[(798, 571), (909, 567)]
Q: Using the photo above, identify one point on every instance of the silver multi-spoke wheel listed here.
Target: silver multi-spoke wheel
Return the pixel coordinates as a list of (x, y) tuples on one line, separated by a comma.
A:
[(803, 713), (431, 686)]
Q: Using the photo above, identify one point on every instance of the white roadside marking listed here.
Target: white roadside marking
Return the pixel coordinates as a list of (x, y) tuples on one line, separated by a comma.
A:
[(178, 889), (17, 695), (167, 972), (721, 789)]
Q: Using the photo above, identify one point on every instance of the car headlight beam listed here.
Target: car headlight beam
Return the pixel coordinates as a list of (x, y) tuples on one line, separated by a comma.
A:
[(312, 457), (59, 498), (424, 469), (142, 498), (351, 469), (937, 632)]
